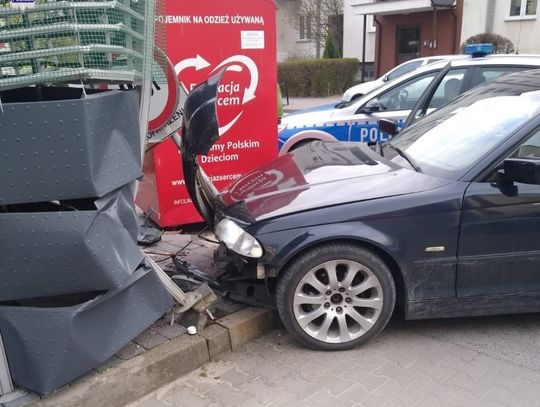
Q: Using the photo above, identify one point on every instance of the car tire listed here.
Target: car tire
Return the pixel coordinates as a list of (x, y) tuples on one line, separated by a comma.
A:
[(336, 296), (301, 144)]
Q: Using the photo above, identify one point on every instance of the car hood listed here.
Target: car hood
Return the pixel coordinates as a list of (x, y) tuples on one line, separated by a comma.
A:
[(320, 174), (330, 106), (314, 118), (362, 89), (309, 118)]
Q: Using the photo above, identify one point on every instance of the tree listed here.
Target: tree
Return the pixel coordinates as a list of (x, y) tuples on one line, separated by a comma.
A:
[(501, 45), (330, 50), (325, 18)]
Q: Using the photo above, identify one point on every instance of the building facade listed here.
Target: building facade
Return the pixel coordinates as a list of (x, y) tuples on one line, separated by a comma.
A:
[(407, 29), (294, 32), (353, 38), (516, 20)]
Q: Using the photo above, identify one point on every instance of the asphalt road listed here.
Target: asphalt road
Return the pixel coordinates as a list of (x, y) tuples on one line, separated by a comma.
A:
[(465, 362)]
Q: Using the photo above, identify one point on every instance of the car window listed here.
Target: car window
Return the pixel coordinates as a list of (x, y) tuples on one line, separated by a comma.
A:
[(406, 94), (530, 148), (488, 73), (403, 69), (450, 88)]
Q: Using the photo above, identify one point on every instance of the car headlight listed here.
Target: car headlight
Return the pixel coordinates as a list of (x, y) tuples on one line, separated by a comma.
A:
[(237, 239)]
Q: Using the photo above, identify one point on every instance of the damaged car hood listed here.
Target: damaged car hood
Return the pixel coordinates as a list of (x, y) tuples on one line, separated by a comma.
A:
[(318, 175)]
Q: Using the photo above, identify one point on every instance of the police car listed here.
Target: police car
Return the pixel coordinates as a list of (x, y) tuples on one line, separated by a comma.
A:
[(361, 89), (358, 119)]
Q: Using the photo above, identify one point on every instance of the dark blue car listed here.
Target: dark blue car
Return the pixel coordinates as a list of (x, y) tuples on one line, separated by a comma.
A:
[(442, 221)]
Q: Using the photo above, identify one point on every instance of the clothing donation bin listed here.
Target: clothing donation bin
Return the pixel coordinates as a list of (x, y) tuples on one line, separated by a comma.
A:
[(203, 38)]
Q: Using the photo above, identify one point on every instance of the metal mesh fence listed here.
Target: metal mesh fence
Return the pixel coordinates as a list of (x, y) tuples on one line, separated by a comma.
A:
[(75, 41)]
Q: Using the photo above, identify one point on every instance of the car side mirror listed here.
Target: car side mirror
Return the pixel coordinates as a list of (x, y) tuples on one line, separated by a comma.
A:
[(373, 106), (385, 78), (522, 170), (388, 126)]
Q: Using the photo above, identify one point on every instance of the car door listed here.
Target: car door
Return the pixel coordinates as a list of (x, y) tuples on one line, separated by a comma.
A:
[(395, 104), (446, 86), (499, 247), (452, 82)]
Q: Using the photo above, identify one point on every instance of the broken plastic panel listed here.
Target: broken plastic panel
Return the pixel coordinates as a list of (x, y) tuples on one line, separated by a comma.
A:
[(48, 346), (68, 247)]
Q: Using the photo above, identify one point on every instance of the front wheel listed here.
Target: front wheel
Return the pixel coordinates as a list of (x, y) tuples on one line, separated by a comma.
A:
[(335, 297)]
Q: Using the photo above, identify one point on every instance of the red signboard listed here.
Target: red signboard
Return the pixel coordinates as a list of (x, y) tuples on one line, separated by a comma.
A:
[(204, 37)]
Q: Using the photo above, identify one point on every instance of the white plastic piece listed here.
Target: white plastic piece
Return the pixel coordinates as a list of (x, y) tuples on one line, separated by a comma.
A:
[(192, 330)]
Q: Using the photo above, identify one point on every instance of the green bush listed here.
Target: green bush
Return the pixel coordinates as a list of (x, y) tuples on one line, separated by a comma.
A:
[(330, 49), (501, 45), (317, 77), (279, 102)]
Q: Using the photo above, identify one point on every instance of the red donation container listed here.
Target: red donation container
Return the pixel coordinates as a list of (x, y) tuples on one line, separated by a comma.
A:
[(202, 38)]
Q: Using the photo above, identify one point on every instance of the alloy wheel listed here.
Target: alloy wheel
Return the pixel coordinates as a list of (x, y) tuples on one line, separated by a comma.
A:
[(338, 301)]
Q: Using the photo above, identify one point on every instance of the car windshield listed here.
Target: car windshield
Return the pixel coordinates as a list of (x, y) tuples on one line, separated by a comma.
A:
[(403, 69), (451, 140)]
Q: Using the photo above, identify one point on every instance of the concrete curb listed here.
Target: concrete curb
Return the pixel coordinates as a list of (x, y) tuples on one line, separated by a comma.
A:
[(128, 381)]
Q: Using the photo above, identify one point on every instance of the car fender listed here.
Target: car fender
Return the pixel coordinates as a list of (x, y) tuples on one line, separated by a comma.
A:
[(283, 246), (306, 135)]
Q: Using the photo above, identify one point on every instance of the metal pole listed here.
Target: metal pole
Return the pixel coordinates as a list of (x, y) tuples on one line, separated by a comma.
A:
[(433, 44), (378, 45), (364, 49), (318, 30)]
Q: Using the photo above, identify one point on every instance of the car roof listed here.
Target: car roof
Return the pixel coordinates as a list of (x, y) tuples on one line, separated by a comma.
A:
[(450, 56), (440, 57), (498, 59), (466, 61)]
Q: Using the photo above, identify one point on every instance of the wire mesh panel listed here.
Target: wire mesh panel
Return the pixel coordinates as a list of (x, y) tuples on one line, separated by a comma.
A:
[(74, 41)]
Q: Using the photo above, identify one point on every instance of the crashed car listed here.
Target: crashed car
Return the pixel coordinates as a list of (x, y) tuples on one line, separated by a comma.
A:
[(442, 221)]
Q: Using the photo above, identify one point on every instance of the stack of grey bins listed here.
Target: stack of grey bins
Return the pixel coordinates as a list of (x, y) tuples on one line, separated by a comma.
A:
[(74, 286)]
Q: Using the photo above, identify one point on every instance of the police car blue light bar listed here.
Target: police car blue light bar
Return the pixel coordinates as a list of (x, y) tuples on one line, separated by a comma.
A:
[(479, 50)]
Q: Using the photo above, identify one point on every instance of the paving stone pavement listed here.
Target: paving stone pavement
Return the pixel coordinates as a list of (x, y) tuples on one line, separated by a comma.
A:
[(465, 362)]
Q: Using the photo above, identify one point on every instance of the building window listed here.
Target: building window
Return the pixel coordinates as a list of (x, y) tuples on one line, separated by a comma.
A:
[(522, 9), (304, 28)]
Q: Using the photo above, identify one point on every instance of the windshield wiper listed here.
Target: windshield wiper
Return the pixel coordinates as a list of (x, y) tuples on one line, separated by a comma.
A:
[(405, 155)]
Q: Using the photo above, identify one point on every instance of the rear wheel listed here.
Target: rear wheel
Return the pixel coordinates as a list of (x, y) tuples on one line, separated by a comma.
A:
[(301, 143), (336, 296)]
